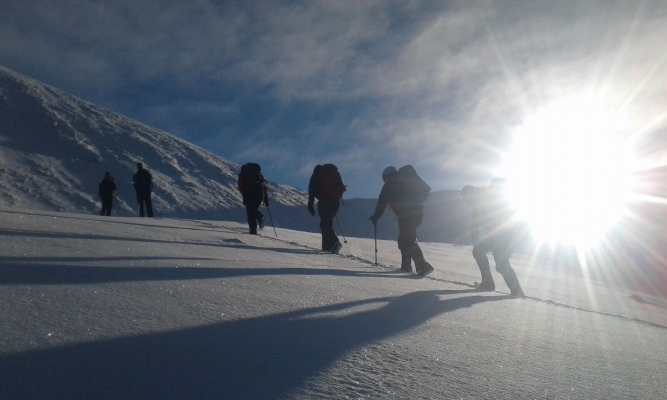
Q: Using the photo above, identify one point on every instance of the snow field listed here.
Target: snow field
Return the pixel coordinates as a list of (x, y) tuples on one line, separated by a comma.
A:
[(128, 308)]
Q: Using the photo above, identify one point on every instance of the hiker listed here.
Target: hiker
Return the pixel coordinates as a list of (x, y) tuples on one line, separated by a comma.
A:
[(105, 190), (405, 193), (252, 186), (143, 185), (491, 231), (327, 187)]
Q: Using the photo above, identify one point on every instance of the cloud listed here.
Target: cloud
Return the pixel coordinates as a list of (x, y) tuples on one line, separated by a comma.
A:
[(441, 85)]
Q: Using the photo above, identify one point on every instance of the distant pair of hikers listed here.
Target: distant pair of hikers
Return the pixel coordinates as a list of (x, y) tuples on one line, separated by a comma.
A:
[(143, 186)]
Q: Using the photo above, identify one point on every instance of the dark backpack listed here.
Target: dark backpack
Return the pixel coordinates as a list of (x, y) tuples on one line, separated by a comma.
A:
[(331, 184), (415, 189), (253, 177)]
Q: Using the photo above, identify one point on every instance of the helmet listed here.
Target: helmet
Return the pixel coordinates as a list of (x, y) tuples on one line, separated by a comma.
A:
[(389, 171)]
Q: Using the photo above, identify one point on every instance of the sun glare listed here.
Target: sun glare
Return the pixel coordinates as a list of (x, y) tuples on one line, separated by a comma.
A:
[(570, 171)]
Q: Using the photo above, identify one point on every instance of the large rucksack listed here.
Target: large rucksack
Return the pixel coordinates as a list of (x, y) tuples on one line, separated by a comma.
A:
[(250, 179), (416, 191), (331, 184)]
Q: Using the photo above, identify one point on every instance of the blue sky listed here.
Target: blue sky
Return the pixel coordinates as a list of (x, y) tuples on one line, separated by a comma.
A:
[(441, 85)]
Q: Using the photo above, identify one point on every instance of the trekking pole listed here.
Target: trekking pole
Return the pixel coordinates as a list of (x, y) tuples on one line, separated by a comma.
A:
[(376, 244), (341, 229), (271, 218)]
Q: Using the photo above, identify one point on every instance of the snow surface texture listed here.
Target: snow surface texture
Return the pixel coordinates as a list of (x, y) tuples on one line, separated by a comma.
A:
[(137, 308)]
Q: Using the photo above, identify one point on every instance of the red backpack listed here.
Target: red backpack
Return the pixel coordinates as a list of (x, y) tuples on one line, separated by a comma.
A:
[(250, 179), (331, 184)]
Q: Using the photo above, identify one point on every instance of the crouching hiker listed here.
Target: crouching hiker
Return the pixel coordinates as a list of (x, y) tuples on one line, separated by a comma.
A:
[(105, 190), (405, 193), (327, 187), (252, 186), (491, 231)]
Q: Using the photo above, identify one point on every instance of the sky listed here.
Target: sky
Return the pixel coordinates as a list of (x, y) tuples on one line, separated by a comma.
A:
[(441, 85)]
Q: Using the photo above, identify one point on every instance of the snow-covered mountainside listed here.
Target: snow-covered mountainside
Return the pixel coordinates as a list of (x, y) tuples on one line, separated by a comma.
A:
[(55, 149)]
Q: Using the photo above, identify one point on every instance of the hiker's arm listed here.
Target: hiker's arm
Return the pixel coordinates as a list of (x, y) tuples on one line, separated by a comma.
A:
[(383, 202)]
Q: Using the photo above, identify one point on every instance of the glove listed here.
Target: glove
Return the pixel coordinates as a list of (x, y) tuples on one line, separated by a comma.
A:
[(373, 219), (266, 201), (311, 209)]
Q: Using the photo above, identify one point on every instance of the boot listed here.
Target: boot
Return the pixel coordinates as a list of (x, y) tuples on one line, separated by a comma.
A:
[(406, 263), (487, 285), (423, 268)]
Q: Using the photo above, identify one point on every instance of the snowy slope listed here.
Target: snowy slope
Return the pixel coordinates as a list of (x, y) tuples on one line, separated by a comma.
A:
[(130, 308), (55, 149)]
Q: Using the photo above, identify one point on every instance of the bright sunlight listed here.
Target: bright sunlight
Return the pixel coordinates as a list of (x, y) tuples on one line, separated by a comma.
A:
[(570, 171)]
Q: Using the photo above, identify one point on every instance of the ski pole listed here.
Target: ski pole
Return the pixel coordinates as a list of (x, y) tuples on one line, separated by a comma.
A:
[(376, 244), (271, 218), (341, 229)]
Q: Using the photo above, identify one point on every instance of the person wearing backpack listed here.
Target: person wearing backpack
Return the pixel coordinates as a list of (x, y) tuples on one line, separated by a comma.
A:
[(105, 190), (143, 185), (405, 193), (491, 231), (327, 187), (252, 186)]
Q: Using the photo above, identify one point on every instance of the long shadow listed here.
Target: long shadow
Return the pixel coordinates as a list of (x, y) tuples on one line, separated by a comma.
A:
[(50, 274), (258, 358), (114, 220), (225, 243), (51, 260)]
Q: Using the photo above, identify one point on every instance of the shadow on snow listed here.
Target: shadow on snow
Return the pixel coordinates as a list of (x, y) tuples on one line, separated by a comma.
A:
[(30, 273), (257, 358)]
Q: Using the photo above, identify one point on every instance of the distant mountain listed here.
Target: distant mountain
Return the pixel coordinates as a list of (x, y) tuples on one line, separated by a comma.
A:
[(55, 149)]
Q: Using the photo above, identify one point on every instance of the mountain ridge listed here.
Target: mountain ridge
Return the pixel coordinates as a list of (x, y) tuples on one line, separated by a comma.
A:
[(50, 138)]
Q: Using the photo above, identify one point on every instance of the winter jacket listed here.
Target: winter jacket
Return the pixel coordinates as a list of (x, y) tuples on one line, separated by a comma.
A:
[(492, 216), (106, 188), (143, 180), (394, 195)]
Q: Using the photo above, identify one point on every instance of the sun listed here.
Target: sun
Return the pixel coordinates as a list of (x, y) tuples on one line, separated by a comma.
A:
[(570, 171)]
